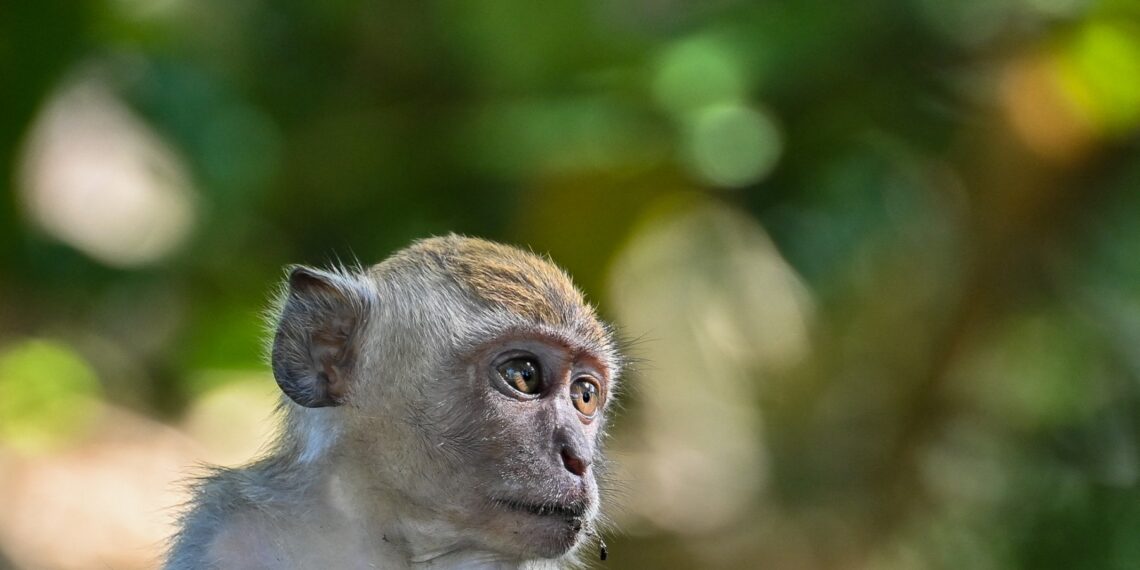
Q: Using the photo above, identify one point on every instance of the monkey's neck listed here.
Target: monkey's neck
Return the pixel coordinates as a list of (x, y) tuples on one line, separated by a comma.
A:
[(397, 529), (463, 559)]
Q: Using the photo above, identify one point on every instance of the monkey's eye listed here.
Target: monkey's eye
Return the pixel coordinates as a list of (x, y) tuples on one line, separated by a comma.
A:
[(585, 395), (522, 374)]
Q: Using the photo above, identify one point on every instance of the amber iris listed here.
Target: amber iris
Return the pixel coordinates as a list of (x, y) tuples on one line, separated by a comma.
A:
[(522, 374), (585, 395)]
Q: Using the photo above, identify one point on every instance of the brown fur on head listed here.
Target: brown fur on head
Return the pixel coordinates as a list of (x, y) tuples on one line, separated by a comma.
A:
[(511, 279), (451, 399)]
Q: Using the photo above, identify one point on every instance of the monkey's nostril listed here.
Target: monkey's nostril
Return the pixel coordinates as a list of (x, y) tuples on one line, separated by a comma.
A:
[(573, 463)]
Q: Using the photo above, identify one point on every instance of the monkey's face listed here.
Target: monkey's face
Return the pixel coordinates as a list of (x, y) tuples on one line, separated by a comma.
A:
[(475, 381), (538, 405)]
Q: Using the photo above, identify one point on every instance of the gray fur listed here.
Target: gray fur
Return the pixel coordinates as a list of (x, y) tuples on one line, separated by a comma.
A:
[(410, 463)]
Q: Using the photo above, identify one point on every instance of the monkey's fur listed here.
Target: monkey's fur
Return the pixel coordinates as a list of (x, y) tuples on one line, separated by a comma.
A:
[(400, 447)]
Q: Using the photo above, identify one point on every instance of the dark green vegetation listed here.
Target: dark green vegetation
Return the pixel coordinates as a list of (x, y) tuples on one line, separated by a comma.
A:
[(883, 257)]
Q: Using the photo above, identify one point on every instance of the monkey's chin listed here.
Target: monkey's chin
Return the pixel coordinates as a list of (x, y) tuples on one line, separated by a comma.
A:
[(546, 530)]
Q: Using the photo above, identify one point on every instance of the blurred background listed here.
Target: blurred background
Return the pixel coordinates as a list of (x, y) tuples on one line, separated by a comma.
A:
[(880, 259)]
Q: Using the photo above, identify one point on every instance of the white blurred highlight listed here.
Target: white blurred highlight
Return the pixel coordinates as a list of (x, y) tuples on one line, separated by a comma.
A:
[(96, 177), (717, 307)]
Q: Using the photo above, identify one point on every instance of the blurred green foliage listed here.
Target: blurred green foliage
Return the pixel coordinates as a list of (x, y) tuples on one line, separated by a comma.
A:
[(46, 394), (955, 184)]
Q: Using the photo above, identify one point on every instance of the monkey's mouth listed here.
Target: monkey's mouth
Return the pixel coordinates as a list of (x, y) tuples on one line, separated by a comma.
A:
[(571, 510)]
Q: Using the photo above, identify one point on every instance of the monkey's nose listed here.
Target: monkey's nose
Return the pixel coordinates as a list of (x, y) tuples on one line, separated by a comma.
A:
[(573, 463)]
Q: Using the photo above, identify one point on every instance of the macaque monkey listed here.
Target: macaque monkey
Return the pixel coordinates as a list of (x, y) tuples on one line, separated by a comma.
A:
[(441, 409)]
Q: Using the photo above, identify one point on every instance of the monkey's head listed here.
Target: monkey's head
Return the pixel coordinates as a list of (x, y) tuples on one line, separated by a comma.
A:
[(464, 384)]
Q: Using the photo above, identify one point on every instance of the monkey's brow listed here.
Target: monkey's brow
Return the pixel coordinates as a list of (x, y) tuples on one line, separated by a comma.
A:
[(600, 356)]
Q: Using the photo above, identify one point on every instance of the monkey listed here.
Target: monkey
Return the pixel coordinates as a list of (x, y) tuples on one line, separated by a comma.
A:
[(444, 408)]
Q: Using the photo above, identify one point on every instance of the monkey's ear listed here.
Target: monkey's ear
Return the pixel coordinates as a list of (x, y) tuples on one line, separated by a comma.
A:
[(317, 339)]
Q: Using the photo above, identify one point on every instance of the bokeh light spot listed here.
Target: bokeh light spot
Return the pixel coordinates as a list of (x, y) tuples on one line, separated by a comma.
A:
[(97, 178), (48, 395), (147, 10), (724, 309), (968, 23), (1057, 8), (1101, 72), (733, 145), (1046, 119), (696, 73)]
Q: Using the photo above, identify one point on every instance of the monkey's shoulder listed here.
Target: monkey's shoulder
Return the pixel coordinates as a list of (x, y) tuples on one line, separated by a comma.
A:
[(235, 515)]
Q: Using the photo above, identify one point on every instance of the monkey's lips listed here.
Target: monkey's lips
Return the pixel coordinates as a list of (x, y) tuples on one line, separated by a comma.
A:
[(572, 510)]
